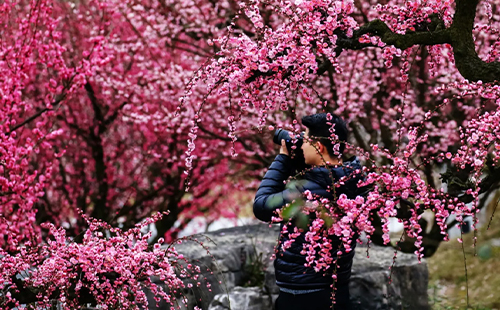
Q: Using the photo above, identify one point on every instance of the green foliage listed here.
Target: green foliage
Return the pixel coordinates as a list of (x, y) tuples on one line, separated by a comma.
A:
[(327, 218), (255, 271), (254, 268), (294, 212), (485, 251)]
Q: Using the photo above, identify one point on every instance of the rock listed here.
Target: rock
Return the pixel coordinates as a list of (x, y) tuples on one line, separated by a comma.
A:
[(495, 242), (229, 251), (232, 250), (248, 298), (370, 287)]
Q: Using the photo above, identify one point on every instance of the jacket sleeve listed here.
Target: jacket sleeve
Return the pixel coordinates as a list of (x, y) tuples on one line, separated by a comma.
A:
[(272, 194)]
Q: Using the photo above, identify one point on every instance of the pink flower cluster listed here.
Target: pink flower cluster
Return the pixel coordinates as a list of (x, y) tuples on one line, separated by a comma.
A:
[(111, 269)]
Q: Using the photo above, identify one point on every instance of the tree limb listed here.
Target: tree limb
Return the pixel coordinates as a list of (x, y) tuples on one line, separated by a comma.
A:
[(56, 102), (403, 41), (458, 35)]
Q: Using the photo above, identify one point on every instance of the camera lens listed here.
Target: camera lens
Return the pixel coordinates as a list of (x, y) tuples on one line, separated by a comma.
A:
[(295, 153), (281, 134)]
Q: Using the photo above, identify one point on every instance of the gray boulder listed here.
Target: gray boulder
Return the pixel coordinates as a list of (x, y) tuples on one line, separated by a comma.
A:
[(371, 288), (249, 298), (241, 256)]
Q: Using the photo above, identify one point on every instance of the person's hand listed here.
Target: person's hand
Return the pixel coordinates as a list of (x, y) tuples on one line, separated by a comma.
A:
[(283, 149)]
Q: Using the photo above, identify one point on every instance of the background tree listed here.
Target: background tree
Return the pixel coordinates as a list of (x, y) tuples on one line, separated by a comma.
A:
[(89, 128), (120, 142)]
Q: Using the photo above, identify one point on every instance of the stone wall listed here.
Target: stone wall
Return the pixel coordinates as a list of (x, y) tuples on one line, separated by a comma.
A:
[(234, 249)]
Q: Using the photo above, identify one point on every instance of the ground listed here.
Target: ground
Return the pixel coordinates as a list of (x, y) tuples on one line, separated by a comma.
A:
[(447, 277)]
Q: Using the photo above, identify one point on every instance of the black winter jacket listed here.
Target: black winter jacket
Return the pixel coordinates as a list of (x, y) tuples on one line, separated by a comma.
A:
[(273, 195)]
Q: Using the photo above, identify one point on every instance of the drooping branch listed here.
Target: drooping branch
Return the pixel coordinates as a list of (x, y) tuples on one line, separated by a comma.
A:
[(458, 181)]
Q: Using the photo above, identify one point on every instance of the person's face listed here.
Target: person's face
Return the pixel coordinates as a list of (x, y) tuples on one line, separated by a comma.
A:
[(310, 149)]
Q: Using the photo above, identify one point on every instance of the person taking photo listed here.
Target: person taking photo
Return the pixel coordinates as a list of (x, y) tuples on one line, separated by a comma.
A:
[(301, 287)]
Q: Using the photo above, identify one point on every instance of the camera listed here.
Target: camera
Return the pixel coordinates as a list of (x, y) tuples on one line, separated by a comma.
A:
[(294, 147)]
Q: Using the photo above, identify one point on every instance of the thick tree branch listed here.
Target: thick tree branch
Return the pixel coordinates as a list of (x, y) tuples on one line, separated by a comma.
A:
[(403, 41), (467, 61), (458, 181), (459, 36), (100, 211), (97, 110), (113, 116)]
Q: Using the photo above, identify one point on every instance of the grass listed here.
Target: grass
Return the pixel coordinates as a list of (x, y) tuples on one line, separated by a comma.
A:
[(447, 280)]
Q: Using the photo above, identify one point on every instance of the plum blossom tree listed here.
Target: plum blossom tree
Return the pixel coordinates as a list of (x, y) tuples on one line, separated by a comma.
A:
[(112, 111), (417, 81), (90, 136), (124, 147)]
